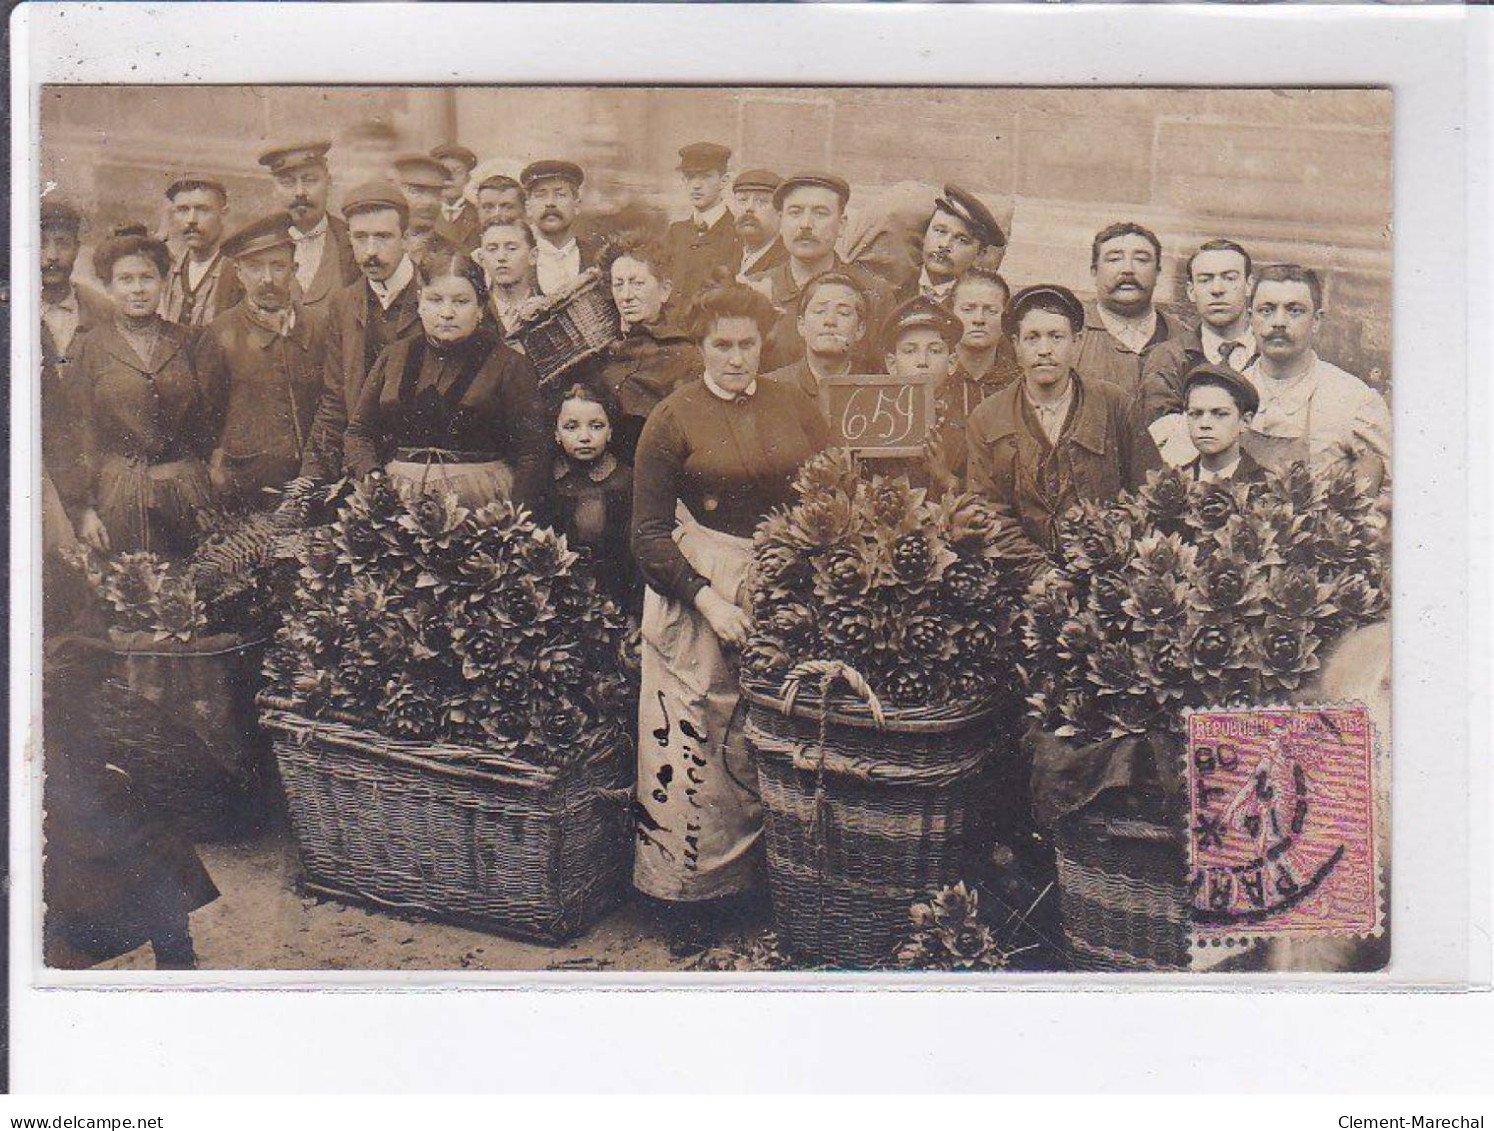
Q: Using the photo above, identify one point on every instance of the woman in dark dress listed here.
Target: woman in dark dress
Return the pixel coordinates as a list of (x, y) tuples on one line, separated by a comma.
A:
[(454, 409), (152, 400), (715, 457)]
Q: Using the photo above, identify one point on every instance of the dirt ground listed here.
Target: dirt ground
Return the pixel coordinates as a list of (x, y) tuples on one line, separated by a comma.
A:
[(262, 921)]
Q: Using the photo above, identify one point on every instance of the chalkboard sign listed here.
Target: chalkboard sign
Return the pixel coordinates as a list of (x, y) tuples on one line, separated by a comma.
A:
[(878, 415)]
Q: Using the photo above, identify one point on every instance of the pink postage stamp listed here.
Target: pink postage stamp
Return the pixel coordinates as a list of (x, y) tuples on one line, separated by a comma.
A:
[(1282, 838)]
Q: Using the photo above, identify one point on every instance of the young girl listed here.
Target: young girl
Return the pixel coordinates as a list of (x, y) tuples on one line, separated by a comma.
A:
[(594, 492)]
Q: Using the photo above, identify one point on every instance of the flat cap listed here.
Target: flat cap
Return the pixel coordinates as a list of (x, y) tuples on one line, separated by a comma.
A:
[(830, 181), (58, 214), (261, 235), (419, 169), (184, 181), (550, 169), (285, 158), (756, 180), (456, 153), (920, 313), (372, 196), (976, 216), (704, 157), (1044, 294), (1239, 386)]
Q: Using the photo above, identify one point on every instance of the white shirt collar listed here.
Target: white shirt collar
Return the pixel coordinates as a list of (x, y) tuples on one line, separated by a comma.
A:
[(751, 259), (392, 287), (1212, 340), (453, 212), (940, 290), (317, 232), (548, 250), (1132, 333), (1225, 472), (718, 391), (709, 217), (1052, 415)]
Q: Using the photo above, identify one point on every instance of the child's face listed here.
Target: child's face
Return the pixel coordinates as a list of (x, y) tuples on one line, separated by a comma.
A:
[(1214, 420), (582, 429), (921, 355)]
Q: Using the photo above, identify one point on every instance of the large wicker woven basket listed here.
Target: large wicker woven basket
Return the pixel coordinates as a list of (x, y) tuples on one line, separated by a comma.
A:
[(864, 814), (577, 326), (536, 853), (1121, 893)]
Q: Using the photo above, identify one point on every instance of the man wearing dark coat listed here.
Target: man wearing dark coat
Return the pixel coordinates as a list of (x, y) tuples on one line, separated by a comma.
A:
[(957, 236), (457, 212), (382, 307), (324, 257), (201, 284), (706, 244), (757, 222)]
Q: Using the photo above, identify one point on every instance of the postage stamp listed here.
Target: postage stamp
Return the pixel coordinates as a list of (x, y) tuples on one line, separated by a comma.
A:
[(1282, 838)]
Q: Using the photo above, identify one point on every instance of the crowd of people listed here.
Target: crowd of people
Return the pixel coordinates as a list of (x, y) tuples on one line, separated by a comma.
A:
[(389, 339)]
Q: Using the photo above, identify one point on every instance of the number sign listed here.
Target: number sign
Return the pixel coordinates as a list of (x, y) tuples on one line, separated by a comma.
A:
[(877, 414)]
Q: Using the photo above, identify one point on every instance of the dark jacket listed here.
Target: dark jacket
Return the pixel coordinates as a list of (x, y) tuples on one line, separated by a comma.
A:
[(695, 256), (776, 255), (274, 383), (337, 269), (640, 370), (1166, 367), (594, 510), (1102, 358), (784, 345), (347, 357), (1101, 452), (1248, 471), (216, 292), (61, 413)]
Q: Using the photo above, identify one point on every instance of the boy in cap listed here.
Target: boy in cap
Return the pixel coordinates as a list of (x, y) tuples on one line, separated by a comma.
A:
[(271, 349), (707, 242), (959, 232), (552, 199), (1219, 404), (324, 258), (1053, 438), (199, 287), (457, 212), (918, 344), (757, 222)]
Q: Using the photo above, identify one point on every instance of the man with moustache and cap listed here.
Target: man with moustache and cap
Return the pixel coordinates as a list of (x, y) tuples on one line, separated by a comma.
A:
[(271, 349), (1123, 326), (457, 212), (958, 233), (324, 257), (500, 200), (706, 243), (423, 180), (382, 307), (552, 191), (757, 222), (200, 286), (812, 206), (1056, 436)]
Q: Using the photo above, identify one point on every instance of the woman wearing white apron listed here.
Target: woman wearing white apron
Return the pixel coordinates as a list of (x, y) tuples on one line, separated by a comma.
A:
[(714, 458)]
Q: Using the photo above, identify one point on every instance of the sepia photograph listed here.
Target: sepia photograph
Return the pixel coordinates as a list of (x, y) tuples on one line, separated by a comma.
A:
[(715, 530)]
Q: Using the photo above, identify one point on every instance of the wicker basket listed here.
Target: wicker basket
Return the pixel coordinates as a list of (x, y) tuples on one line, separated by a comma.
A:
[(579, 325), (536, 853), (1121, 893), (866, 812)]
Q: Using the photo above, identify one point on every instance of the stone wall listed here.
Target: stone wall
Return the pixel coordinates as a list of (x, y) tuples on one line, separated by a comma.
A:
[(1300, 175)]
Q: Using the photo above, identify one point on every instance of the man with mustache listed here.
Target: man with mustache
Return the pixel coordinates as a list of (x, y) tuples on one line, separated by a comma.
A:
[(271, 350), (1056, 436), (706, 243), (382, 307), (552, 191), (757, 222), (1310, 411), (958, 234), (324, 257), (812, 206), (832, 324), (423, 180), (200, 287), (500, 199), (1219, 279), (457, 212), (1122, 326)]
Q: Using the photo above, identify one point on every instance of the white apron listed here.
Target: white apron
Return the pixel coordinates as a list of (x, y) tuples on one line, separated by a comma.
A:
[(700, 821)]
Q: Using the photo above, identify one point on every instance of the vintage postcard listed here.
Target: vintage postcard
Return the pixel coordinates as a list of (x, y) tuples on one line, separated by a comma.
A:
[(715, 530)]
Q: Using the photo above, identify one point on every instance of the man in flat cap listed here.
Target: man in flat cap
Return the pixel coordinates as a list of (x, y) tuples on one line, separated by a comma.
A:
[(1055, 437), (500, 200), (812, 206), (959, 232), (1123, 325), (1219, 275), (707, 243), (423, 180), (552, 191), (200, 286), (382, 307), (457, 212), (757, 222), (271, 348), (324, 258), (1219, 404)]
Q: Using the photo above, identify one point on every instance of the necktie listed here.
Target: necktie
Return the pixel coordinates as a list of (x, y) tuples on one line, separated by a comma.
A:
[(1227, 350)]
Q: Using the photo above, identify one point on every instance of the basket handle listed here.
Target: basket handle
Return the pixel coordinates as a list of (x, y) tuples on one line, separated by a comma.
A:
[(829, 671)]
